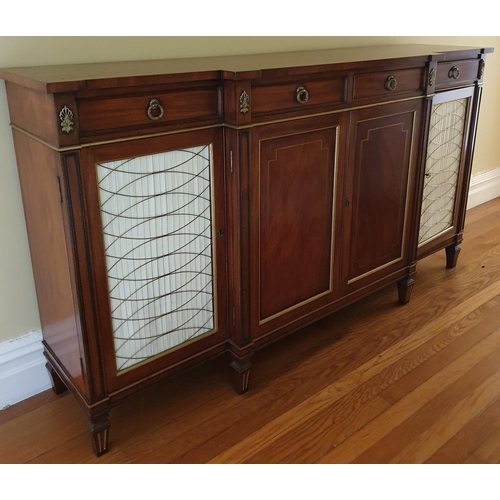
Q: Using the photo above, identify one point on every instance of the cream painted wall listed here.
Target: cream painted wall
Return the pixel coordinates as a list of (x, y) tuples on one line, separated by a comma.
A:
[(18, 309)]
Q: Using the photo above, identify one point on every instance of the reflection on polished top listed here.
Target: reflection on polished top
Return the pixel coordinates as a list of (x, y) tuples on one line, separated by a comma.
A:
[(78, 76)]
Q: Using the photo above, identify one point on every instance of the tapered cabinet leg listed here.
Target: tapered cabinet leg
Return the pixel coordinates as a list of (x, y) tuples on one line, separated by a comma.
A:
[(405, 286), (241, 374), (98, 426), (241, 366), (57, 384), (452, 253)]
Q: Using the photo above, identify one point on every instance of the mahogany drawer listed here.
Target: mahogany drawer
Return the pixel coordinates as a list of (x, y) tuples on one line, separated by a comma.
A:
[(140, 110), (456, 73), (298, 95), (387, 83)]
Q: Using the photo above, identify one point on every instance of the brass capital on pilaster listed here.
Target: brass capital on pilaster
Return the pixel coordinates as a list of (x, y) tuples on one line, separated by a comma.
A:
[(432, 77), (482, 65), (66, 117), (244, 102)]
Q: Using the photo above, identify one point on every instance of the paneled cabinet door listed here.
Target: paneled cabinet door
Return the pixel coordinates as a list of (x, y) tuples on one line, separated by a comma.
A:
[(156, 229), (294, 223), (445, 165), (378, 198)]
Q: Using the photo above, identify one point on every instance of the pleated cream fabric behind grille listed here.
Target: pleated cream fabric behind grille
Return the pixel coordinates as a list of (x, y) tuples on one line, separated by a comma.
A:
[(156, 215), (444, 151)]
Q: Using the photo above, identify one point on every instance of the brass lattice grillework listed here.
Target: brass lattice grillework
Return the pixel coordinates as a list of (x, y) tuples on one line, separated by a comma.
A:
[(156, 214), (444, 151)]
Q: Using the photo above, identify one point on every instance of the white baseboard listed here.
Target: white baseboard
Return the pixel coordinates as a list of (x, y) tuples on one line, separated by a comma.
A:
[(484, 187), (22, 364), (22, 369)]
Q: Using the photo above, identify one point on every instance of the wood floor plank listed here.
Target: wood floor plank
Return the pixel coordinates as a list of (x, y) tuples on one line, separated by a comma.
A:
[(350, 449), (463, 444), (488, 452), (293, 418), (308, 442), (40, 430), (319, 433), (413, 435), (485, 212), (450, 422), (80, 453), (448, 345), (27, 405)]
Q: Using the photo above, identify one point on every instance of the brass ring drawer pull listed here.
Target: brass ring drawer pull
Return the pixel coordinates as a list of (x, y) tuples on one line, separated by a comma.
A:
[(391, 83), (301, 95), (155, 107), (454, 73)]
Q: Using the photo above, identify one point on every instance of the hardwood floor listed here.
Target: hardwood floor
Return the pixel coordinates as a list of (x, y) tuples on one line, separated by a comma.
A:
[(374, 383)]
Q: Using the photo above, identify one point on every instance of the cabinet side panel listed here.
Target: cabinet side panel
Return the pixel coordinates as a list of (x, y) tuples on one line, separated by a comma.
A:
[(37, 166), (33, 111)]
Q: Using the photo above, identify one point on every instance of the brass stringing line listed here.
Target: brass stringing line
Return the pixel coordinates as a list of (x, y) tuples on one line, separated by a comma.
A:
[(161, 371), (213, 226)]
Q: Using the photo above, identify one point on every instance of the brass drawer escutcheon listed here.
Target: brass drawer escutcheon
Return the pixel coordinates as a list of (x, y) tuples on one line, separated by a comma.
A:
[(154, 106), (301, 95), (391, 83), (454, 73)]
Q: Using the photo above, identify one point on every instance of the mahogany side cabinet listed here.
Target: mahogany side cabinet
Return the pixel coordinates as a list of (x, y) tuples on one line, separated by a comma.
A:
[(179, 210)]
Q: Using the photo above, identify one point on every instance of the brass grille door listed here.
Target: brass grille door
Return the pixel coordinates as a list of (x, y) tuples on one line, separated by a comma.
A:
[(446, 143), (157, 225)]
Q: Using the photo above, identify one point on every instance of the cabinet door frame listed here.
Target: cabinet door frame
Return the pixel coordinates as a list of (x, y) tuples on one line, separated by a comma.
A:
[(397, 267), (303, 311), (205, 345), (447, 236)]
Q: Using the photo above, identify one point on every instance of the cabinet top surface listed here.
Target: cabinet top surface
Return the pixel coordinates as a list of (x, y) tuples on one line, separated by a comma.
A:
[(68, 78)]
